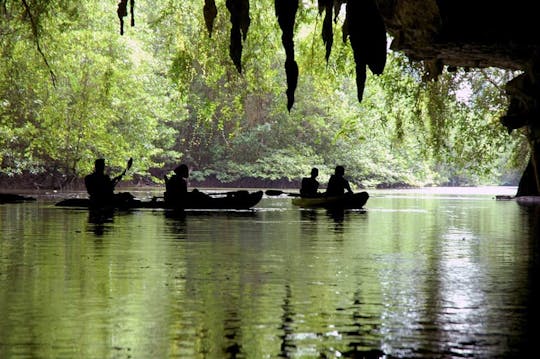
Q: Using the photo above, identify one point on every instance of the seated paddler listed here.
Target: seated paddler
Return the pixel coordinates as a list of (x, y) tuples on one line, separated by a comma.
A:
[(176, 188), (337, 184), (310, 185), (100, 186)]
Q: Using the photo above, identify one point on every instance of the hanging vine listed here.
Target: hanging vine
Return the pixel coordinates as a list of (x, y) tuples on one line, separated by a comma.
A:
[(34, 27)]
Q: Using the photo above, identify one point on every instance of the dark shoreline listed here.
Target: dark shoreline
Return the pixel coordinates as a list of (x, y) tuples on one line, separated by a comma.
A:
[(47, 182)]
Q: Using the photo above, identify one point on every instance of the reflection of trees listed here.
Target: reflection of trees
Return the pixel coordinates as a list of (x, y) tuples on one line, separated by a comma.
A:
[(220, 285), (463, 258), (233, 333), (215, 247), (358, 332)]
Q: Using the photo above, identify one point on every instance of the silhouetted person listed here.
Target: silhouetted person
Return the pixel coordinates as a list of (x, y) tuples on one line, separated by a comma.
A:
[(176, 186), (176, 191), (337, 184), (310, 185), (99, 185)]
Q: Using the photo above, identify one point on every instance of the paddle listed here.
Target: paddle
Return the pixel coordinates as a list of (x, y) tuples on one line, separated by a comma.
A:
[(210, 193), (275, 192), (222, 193), (119, 177)]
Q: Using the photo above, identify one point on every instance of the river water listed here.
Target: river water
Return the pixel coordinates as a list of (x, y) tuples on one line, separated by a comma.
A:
[(440, 273)]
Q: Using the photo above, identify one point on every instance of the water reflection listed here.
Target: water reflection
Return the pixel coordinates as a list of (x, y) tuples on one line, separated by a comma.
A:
[(176, 222), (232, 328), (336, 219), (531, 220), (424, 278), (100, 221), (337, 215), (341, 216), (308, 215), (287, 347), (175, 214), (355, 334)]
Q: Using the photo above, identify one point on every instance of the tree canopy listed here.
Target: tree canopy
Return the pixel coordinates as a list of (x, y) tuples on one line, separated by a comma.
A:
[(72, 89)]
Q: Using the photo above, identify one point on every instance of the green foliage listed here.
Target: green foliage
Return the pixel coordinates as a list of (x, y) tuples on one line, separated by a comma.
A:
[(105, 100), (166, 92)]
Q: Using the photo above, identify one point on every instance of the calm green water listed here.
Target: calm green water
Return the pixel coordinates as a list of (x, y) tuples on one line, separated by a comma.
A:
[(417, 274)]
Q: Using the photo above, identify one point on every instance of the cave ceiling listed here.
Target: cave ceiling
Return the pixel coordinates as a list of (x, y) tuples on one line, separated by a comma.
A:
[(465, 33), (455, 34), (443, 34)]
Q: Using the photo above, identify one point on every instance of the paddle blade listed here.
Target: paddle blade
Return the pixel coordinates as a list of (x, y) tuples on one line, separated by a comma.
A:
[(129, 163), (276, 192), (273, 192)]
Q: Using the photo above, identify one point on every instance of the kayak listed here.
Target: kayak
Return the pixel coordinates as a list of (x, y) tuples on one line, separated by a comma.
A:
[(14, 198), (229, 200), (346, 201)]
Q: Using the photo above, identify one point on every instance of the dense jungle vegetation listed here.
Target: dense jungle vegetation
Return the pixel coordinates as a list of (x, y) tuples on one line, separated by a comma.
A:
[(73, 89)]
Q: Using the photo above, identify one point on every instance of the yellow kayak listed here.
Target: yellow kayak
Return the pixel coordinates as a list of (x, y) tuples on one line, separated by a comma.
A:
[(349, 201)]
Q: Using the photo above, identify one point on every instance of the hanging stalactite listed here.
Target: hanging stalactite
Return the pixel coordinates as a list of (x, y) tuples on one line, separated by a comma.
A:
[(210, 13), (327, 7), (337, 8), (365, 28), (240, 21), (122, 12), (132, 11), (286, 14)]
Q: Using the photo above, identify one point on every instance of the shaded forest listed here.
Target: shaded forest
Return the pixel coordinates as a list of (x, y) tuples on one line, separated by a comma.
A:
[(73, 89)]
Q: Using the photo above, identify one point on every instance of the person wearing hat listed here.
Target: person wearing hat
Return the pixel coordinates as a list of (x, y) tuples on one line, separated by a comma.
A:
[(176, 186)]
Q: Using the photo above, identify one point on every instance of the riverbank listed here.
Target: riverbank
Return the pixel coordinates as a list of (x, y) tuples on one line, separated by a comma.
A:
[(49, 182), (31, 182)]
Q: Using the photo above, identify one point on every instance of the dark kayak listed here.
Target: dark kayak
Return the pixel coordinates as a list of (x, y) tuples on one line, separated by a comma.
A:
[(230, 200), (14, 198), (347, 201)]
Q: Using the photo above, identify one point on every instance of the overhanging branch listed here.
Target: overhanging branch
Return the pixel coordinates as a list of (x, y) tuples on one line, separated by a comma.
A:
[(36, 40)]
